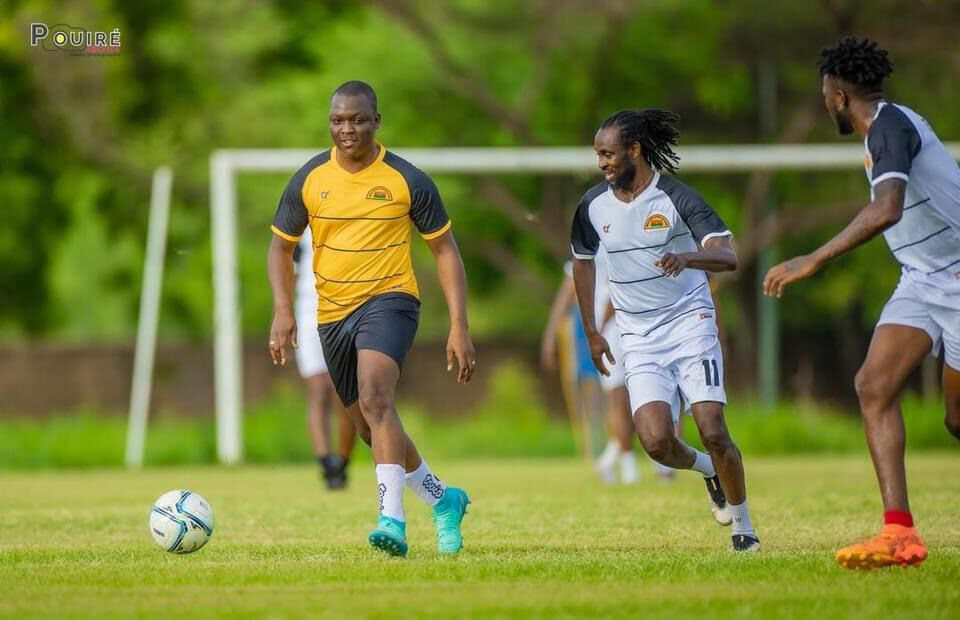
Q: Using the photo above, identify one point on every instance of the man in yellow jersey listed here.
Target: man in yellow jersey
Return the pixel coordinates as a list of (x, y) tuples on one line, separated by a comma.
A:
[(359, 200)]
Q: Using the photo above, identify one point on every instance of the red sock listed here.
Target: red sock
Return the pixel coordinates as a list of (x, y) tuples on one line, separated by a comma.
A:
[(898, 517)]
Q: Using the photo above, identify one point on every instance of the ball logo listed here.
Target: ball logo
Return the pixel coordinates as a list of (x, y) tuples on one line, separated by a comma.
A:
[(606, 228), (380, 193), (656, 222)]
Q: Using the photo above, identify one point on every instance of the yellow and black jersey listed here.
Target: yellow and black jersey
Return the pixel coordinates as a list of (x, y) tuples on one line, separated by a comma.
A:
[(360, 224)]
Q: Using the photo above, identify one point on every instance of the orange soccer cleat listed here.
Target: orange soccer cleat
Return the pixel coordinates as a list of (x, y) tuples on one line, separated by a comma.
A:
[(895, 545)]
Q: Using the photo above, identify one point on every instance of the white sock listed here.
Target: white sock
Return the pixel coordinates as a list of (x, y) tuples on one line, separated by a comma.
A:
[(610, 454), (662, 469), (628, 467), (703, 464), (741, 519), (425, 484), (390, 488)]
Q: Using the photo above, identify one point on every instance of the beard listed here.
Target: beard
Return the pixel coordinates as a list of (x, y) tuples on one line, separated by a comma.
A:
[(844, 124), (625, 179)]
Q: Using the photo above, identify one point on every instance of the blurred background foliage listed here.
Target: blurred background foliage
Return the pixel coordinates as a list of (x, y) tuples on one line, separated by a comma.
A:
[(81, 136)]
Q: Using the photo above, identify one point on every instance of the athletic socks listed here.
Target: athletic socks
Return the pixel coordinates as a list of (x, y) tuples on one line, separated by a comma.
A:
[(390, 479), (703, 464), (628, 467), (741, 519), (425, 484), (898, 517)]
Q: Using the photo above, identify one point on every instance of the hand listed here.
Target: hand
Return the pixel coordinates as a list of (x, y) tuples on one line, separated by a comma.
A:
[(548, 354), (460, 348), (283, 331), (788, 272), (599, 347), (672, 264)]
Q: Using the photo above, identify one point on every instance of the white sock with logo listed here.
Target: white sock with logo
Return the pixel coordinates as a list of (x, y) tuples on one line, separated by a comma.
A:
[(741, 519), (425, 484), (703, 464), (390, 488)]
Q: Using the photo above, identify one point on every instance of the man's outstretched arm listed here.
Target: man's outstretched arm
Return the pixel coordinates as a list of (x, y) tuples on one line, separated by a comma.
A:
[(453, 281), (884, 211)]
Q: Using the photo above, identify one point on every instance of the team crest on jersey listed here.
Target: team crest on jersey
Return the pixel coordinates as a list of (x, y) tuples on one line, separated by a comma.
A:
[(656, 222), (379, 193)]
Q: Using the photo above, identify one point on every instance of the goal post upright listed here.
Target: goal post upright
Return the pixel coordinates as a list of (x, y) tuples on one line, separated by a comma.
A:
[(225, 163), (228, 362)]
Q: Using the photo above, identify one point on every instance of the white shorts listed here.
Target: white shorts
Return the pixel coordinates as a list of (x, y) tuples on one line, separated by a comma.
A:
[(616, 378), (695, 367), (309, 352), (939, 318)]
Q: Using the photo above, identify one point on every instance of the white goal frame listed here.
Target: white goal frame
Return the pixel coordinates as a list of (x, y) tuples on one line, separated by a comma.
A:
[(225, 164)]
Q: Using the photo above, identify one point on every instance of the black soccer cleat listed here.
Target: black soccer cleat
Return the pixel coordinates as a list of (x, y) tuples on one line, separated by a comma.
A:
[(746, 543), (718, 501), (334, 471)]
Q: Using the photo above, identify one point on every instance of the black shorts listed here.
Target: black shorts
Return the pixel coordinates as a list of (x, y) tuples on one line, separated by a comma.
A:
[(386, 323)]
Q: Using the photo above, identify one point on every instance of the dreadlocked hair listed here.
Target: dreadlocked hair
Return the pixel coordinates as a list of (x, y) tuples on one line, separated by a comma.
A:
[(654, 130), (858, 62)]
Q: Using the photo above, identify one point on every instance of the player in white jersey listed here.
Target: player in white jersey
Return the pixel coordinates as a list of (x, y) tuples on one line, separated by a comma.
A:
[(321, 395), (915, 204), (660, 236)]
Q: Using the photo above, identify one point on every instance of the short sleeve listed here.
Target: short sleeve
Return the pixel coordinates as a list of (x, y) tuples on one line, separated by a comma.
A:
[(426, 207), (292, 217), (700, 218), (892, 142), (584, 240)]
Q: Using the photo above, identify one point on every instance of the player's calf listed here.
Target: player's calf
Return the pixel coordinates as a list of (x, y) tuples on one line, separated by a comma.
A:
[(952, 418)]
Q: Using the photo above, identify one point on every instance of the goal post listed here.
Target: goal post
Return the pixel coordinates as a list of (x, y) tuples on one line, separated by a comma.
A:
[(149, 317), (225, 164)]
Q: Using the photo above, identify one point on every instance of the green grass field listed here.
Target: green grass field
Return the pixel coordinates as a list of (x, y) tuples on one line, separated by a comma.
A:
[(544, 539)]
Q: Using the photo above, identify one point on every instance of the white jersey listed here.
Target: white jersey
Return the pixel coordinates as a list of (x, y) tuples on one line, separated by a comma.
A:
[(306, 286), (309, 352), (926, 241), (653, 312)]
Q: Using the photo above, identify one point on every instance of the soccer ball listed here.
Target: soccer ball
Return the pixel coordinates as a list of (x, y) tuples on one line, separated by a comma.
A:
[(181, 521)]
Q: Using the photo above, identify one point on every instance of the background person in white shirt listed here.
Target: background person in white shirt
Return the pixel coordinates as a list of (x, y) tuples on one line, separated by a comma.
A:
[(321, 396)]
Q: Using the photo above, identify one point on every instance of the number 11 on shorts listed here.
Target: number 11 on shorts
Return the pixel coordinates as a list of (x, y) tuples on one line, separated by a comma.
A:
[(706, 372)]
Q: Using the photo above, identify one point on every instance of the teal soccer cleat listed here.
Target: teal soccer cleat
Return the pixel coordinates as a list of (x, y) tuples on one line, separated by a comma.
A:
[(447, 515), (390, 536)]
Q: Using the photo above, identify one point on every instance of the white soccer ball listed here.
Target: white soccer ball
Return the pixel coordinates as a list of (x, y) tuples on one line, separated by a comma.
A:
[(181, 521)]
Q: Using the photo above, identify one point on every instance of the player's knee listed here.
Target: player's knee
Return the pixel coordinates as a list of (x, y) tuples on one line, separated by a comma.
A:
[(717, 440), (872, 389), (657, 447), (376, 404)]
